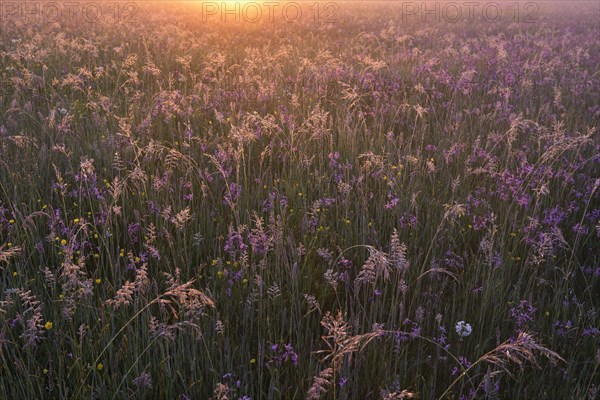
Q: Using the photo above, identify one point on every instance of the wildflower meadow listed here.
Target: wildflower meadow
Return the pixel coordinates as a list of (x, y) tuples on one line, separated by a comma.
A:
[(299, 200)]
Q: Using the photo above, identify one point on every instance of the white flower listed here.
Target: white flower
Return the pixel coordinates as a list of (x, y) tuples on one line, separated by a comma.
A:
[(463, 329)]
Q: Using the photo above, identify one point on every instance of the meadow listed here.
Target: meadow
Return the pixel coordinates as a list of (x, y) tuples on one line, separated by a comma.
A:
[(361, 208)]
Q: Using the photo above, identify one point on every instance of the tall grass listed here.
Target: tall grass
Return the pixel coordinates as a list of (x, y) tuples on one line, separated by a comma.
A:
[(299, 210)]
